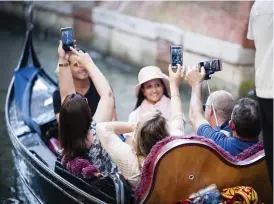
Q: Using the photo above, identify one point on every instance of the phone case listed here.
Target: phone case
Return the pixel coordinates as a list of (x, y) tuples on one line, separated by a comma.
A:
[(67, 38), (175, 58)]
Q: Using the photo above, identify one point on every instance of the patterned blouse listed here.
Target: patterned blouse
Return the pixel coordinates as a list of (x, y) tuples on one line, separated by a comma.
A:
[(99, 157)]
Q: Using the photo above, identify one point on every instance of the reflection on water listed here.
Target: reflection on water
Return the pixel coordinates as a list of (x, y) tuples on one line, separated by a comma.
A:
[(122, 78)]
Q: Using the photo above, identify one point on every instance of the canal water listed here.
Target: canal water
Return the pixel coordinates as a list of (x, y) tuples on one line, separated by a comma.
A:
[(122, 78)]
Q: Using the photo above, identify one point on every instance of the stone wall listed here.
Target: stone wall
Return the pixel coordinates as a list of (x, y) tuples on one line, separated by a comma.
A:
[(224, 20), (143, 42)]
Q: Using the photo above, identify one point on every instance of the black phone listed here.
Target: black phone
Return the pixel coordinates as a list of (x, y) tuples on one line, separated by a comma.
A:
[(210, 66), (176, 55), (67, 38)]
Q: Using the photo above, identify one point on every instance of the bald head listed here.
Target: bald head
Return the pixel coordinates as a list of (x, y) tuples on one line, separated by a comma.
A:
[(223, 103)]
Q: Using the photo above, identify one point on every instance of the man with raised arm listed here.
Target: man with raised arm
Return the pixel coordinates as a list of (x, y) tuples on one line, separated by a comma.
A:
[(244, 122), (222, 102), (83, 85)]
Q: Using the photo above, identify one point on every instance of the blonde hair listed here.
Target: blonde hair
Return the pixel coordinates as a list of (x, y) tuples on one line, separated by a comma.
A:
[(150, 129)]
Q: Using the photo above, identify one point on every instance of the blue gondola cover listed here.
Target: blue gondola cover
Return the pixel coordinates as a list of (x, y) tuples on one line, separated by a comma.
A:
[(23, 81)]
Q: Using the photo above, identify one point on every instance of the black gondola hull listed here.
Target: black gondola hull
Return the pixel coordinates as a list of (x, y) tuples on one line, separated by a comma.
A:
[(29, 119), (44, 184)]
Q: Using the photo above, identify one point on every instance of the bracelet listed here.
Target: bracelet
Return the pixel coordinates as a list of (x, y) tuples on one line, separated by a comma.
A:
[(175, 95), (64, 65)]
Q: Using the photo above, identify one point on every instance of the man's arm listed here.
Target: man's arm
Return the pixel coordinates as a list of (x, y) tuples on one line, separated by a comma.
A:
[(66, 83), (218, 137), (196, 117), (194, 79), (250, 35)]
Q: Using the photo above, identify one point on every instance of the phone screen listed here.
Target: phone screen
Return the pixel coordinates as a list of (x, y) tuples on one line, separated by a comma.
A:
[(213, 65), (67, 38), (176, 55)]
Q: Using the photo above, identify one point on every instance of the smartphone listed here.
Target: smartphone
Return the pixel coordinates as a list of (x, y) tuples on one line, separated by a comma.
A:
[(176, 55), (67, 38), (210, 66)]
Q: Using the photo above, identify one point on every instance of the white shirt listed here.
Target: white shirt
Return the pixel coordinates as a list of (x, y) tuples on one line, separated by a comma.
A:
[(260, 30), (124, 155)]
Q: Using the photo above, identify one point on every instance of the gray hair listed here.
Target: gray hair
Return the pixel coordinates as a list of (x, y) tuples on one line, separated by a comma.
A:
[(223, 103)]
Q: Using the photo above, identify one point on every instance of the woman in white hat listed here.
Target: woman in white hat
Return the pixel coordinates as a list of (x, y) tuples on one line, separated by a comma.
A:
[(150, 129), (152, 93)]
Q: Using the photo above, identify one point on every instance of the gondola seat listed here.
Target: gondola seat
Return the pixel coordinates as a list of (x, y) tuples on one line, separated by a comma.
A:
[(179, 166), (54, 146), (110, 189)]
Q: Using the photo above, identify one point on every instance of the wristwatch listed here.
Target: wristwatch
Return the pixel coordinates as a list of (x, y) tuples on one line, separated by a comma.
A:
[(64, 64)]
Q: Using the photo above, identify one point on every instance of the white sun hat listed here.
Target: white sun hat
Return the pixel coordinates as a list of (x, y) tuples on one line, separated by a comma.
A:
[(148, 73)]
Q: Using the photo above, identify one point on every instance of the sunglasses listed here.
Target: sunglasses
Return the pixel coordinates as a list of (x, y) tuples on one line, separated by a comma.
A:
[(85, 99), (205, 105), (73, 95)]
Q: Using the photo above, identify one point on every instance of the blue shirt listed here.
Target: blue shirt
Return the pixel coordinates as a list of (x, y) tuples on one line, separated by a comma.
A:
[(225, 126), (231, 144)]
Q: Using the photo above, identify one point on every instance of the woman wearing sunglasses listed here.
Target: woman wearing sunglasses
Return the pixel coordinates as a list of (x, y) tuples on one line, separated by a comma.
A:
[(77, 126)]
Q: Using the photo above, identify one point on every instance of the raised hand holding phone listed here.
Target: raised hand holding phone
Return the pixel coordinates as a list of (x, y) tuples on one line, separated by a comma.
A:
[(194, 76), (176, 56), (62, 55), (176, 78), (67, 38), (211, 66)]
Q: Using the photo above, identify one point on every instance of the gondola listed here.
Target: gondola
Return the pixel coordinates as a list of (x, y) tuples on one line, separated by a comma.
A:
[(31, 122)]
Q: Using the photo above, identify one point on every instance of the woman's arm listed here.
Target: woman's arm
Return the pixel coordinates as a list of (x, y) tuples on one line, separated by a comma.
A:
[(66, 83), (120, 127), (176, 124), (105, 108), (131, 119), (121, 153)]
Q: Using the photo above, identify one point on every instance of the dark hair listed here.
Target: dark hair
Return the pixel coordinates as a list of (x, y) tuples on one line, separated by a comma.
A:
[(141, 96), (75, 119), (246, 117)]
